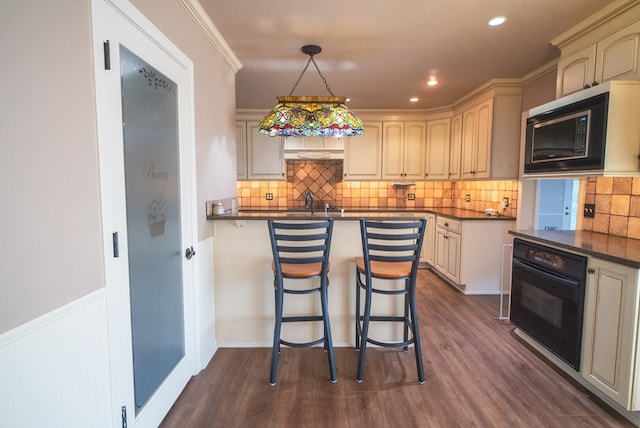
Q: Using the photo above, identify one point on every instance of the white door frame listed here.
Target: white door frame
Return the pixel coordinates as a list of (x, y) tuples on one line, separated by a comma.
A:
[(119, 22)]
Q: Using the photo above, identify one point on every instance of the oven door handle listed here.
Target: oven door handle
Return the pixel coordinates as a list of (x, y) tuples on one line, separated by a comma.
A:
[(565, 281)]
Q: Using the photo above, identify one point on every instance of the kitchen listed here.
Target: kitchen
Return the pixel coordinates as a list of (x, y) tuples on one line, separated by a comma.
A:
[(77, 274), (349, 191)]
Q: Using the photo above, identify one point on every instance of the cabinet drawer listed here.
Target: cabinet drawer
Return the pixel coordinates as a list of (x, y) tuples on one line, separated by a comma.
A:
[(449, 224)]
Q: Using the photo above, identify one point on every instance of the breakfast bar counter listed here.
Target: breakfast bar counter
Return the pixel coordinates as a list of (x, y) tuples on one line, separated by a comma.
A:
[(243, 280), (356, 214)]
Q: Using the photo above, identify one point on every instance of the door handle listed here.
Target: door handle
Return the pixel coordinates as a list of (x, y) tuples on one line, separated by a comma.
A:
[(190, 252)]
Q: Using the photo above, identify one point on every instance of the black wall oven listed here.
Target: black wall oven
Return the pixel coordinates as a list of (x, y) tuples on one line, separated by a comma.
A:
[(547, 297)]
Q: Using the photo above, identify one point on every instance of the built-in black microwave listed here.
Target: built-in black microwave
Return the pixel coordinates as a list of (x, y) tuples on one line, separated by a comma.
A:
[(567, 137)]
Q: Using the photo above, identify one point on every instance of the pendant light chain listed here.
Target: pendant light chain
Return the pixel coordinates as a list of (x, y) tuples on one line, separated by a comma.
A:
[(295, 85)]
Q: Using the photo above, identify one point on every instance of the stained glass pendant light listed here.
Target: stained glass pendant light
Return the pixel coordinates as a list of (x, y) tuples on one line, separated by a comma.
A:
[(311, 116)]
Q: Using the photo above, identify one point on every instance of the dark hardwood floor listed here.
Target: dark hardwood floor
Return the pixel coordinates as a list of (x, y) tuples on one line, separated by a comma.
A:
[(478, 375)]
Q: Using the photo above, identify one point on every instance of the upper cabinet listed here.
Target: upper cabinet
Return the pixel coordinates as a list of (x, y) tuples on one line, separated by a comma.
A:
[(476, 140), (260, 156), (455, 147), (599, 50), (488, 128), (403, 147), (437, 151), (241, 150), (363, 154)]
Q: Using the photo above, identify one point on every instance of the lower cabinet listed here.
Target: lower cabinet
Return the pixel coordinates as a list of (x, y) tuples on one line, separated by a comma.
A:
[(610, 336), (448, 242), (468, 253), (428, 252)]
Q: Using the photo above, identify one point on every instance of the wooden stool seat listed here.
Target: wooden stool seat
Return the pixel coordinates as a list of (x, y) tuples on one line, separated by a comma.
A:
[(386, 269), (306, 270)]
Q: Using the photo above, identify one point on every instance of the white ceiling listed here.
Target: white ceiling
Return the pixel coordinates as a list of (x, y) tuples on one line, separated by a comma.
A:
[(380, 53)]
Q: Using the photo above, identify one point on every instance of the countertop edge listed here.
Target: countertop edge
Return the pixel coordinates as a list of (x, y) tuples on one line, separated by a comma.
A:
[(582, 240), (458, 214)]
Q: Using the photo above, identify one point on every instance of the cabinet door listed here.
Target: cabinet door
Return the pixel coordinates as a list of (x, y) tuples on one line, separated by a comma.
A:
[(265, 155), (428, 253), (575, 71), (469, 119), (414, 149), (452, 267), (437, 150), (610, 331), (618, 55), (392, 150), (477, 126), (241, 150), (363, 154), (441, 250), (455, 147), (484, 131)]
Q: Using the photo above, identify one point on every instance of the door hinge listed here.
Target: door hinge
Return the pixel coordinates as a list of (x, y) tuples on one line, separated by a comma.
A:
[(107, 55), (123, 411), (116, 245)]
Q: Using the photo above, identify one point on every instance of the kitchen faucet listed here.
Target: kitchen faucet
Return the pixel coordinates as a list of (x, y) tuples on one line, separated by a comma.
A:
[(308, 198)]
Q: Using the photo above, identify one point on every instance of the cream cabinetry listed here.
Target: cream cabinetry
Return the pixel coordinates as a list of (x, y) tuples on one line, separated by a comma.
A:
[(455, 147), (259, 156), (477, 123), (363, 154), (241, 150), (610, 335), (490, 133), (403, 148), (437, 149), (605, 52), (428, 252), (468, 253), (313, 148), (448, 242)]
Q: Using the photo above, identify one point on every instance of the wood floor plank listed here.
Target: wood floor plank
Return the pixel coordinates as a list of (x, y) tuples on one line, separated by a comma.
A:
[(478, 374)]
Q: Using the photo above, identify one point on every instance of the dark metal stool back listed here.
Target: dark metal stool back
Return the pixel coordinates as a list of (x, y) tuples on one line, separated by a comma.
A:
[(391, 251), (301, 251)]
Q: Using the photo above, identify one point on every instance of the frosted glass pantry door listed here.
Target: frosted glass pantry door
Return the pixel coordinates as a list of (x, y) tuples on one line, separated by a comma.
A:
[(150, 131)]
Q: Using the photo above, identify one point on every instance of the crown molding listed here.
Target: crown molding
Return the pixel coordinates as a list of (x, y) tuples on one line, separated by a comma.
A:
[(200, 16), (599, 18)]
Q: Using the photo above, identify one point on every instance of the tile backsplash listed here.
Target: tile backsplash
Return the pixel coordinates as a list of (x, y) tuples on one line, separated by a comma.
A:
[(324, 180), (617, 201)]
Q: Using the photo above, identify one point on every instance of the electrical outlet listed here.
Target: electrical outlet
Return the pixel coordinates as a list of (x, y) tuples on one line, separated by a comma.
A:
[(411, 196), (269, 196), (589, 210), (467, 198), (505, 202)]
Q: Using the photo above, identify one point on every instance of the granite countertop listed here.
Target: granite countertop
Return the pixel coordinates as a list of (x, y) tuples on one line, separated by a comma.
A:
[(617, 249), (356, 214)]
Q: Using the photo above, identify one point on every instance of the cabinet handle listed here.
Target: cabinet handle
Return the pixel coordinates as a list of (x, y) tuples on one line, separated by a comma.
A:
[(591, 271), (587, 86), (446, 224), (595, 83)]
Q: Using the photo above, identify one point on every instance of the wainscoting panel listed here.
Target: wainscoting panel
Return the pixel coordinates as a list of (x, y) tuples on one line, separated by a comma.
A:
[(54, 370), (205, 326)]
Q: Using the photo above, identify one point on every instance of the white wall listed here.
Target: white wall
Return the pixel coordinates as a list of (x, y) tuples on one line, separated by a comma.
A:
[(54, 368)]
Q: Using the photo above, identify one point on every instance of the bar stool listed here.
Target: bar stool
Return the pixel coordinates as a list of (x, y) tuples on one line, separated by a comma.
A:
[(301, 251), (391, 251)]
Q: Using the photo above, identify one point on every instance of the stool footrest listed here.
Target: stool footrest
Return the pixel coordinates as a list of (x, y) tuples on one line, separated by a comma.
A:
[(302, 318), (301, 344), (390, 344)]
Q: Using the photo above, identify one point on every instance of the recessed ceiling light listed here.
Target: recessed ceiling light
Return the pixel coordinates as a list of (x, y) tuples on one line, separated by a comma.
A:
[(414, 99), (432, 82), (498, 20)]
